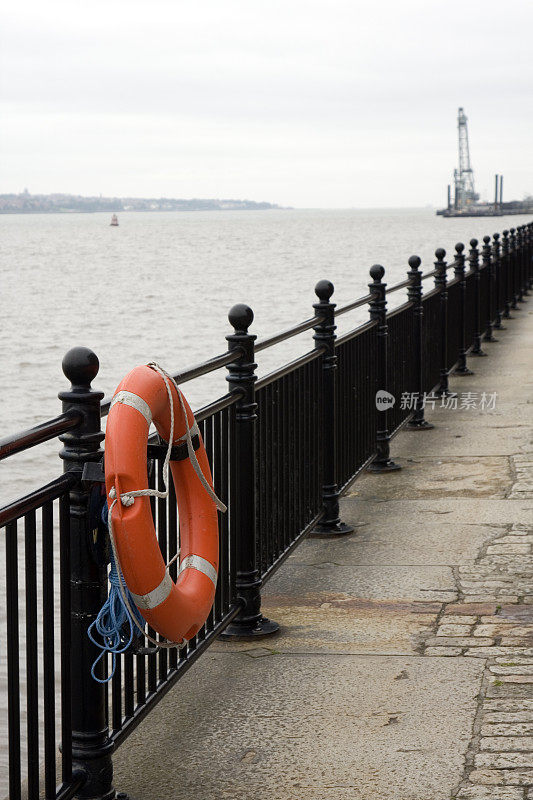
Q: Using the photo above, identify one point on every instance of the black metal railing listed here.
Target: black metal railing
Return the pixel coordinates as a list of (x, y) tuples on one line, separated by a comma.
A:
[(282, 450)]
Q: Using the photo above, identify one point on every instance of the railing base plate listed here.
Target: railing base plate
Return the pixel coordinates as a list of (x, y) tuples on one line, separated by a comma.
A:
[(423, 425), (321, 531), (256, 630), (387, 466)]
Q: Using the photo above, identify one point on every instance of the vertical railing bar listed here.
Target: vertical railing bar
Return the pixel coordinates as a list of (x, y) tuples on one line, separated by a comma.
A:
[(224, 483), (32, 678), (65, 613), (512, 264), (172, 549), (285, 460), (13, 678), (293, 529), (47, 546), (278, 448), (116, 695), (299, 423), (140, 679), (153, 657), (220, 491), (163, 545), (274, 510), (268, 424), (232, 468), (128, 686)]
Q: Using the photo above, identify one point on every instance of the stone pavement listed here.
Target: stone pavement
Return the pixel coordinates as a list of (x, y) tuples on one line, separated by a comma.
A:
[(404, 665)]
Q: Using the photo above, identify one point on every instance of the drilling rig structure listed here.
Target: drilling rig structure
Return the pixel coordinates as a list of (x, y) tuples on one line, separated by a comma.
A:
[(465, 193)]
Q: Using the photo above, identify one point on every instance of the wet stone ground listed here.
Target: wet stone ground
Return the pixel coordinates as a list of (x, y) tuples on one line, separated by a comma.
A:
[(403, 669)]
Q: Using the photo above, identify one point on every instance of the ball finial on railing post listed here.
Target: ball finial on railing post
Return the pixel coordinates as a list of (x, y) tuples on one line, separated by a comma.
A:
[(377, 273), (80, 366), (323, 290), (240, 317)]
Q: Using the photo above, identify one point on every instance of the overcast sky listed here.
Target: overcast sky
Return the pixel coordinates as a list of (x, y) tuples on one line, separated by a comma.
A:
[(298, 102)]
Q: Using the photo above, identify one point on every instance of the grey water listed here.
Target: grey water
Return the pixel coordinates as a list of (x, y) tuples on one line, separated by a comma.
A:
[(159, 287)]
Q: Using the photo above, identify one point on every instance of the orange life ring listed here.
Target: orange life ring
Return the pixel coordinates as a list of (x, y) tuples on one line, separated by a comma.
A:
[(175, 610)]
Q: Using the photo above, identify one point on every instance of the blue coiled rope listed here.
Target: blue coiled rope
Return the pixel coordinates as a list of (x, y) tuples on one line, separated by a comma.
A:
[(113, 624)]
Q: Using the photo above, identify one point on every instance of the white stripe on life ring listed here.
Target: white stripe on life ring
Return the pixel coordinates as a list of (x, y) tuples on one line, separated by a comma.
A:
[(135, 401), (156, 596), (202, 565)]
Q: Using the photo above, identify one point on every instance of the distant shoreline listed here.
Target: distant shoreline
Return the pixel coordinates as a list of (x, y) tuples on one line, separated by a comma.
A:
[(141, 210), (27, 203)]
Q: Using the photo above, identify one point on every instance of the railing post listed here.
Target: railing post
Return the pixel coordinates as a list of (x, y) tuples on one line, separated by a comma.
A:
[(529, 257), (525, 239), (378, 312), (441, 282), (414, 293), (91, 745), (486, 255), (473, 260), (506, 282), (241, 378), (499, 270), (519, 267), (522, 248), (459, 272), (514, 264), (324, 336)]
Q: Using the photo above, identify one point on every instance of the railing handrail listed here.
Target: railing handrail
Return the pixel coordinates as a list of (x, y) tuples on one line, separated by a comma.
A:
[(398, 286), (346, 337), (282, 336), (290, 367), (356, 304), (23, 440), (23, 505)]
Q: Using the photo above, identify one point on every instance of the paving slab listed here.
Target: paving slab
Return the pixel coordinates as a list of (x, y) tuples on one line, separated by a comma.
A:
[(335, 623), (377, 543), (240, 728), (370, 582), (424, 476), (472, 511)]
